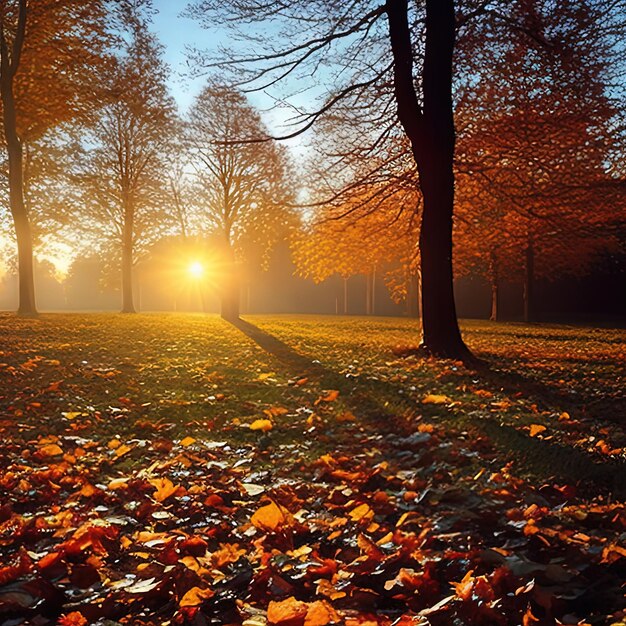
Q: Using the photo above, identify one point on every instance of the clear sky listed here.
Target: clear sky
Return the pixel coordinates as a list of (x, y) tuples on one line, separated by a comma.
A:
[(177, 32)]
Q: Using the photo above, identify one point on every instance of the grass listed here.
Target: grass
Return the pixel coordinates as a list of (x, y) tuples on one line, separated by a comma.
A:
[(198, 375), (130, 476)]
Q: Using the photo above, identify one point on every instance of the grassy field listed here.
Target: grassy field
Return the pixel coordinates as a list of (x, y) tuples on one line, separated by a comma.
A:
[(121, 432)]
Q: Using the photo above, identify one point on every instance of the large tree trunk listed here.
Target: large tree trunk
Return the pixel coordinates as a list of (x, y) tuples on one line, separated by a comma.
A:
[(432, 136), (128, 305), (19, 211), (529, 283)]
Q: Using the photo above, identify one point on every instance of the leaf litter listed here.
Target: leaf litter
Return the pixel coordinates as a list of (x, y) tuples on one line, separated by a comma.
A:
[(410, 519)]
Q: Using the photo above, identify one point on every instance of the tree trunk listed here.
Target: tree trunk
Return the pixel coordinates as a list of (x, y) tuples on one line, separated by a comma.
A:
[(495, 286), (494, 300), (413, 295), (19, 211), (345, 296), (369, 293), (529, 283), (127, 261), (432, 136), (231, 289)]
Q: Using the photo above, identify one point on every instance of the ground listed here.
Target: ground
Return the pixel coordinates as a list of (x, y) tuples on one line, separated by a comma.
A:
[(172, 469)]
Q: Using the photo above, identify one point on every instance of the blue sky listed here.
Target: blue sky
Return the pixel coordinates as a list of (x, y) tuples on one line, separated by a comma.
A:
[(175, 33)]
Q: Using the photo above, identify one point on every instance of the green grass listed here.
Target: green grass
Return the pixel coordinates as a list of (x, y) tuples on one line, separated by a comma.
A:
[(132, 376)]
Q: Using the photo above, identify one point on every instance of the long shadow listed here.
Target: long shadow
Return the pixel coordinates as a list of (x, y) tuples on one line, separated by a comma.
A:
[(357, 399), (504, 378), (541, 458)]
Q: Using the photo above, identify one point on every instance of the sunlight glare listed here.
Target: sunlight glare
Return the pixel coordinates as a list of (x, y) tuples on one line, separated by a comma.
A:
[(196, 269)]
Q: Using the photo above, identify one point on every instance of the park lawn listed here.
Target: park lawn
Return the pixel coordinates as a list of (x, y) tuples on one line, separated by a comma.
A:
[(308, 470)]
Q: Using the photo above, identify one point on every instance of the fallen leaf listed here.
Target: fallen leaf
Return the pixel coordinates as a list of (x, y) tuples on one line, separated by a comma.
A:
[(433, 398), (289, 612), (195, 596), (164, 488), (262, 424), (272, 517), (535, 429)]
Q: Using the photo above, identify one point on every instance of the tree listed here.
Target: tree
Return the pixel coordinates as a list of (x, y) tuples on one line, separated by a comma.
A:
[(530, 176), (424, 108), (36, 40), (131, 137), (242, 183)]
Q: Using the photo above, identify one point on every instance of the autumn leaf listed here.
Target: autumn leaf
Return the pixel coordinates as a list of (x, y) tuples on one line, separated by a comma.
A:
[(363, 511), (289, 612), (432, 398), (187, 441), (72, 619), (272, 517), (51, 449), (535, 429), (264, 425), (164, 488), (195, 596)]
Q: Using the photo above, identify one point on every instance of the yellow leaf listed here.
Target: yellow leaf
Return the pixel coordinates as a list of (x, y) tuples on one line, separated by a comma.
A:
[(535, 429), (433, 398), (164, 488), (122, 450), (261, 424), (70, 415), (363, 511), (187, 441), (265, 376), (272, 517)]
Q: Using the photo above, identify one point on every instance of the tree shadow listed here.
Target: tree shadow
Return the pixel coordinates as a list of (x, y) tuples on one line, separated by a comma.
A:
[(358, 399), (541, 458)]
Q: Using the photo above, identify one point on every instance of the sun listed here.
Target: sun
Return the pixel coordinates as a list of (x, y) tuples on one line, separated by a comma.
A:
[(196, 269)]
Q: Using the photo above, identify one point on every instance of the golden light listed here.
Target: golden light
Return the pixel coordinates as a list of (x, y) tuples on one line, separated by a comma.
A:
[(196, 269)]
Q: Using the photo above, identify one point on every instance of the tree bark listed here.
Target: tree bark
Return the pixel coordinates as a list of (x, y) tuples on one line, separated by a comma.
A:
[(431, 132), (23, 234), (529, 283), (369, 292), (495, 287), (413, 296), (345, 296), (231, 289), (128, 305)]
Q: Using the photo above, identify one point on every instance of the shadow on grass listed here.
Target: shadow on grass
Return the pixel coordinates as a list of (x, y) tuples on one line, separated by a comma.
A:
[(358, 399), (543, 459)]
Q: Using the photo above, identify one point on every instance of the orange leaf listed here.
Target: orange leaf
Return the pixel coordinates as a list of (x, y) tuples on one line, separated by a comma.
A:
[(535, 429), (363, 511), (164, 488), (433, 398), (195, 596), (261, 424), (289, 612), (72, 619), (272, 517), (51, 449), (187, 441), (320, 613)]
